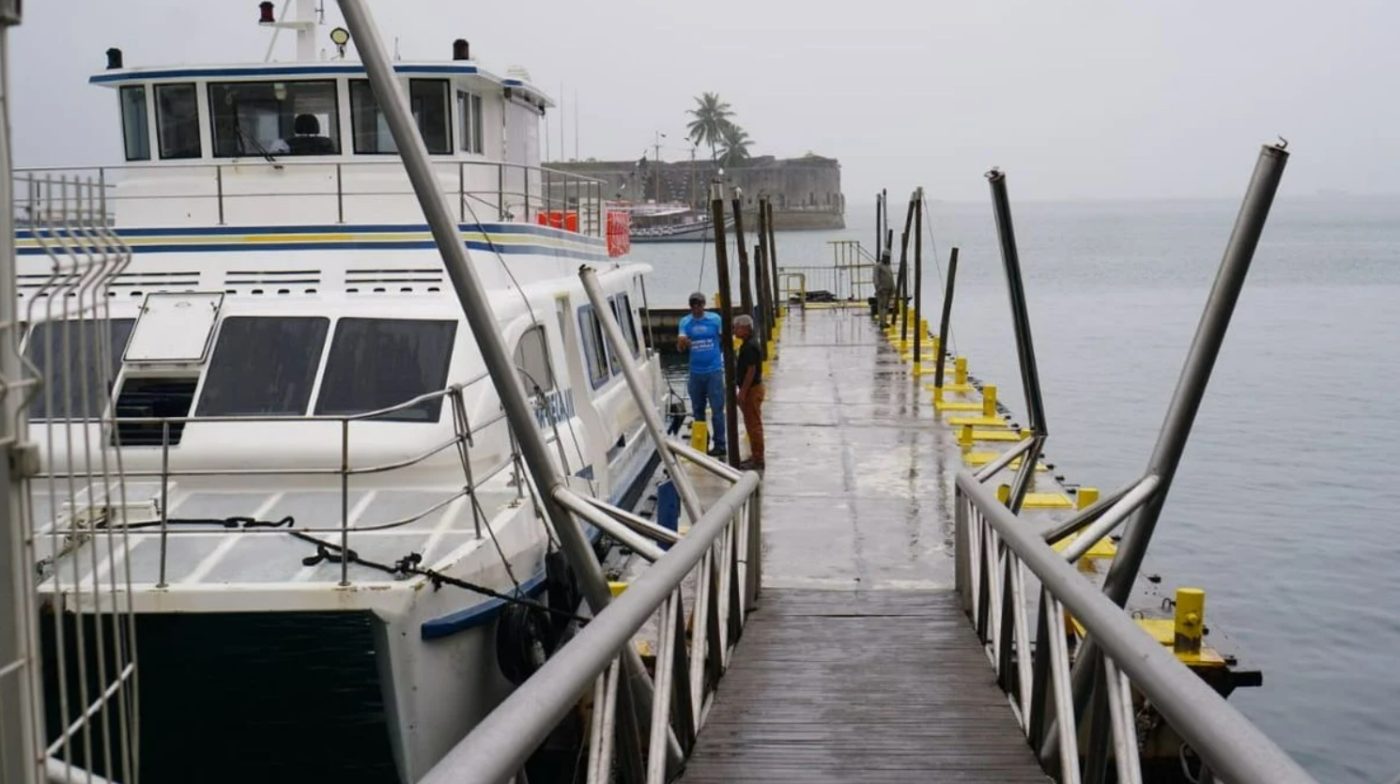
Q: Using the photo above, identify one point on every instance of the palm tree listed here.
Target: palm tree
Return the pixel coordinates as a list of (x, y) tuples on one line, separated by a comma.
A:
[(734, 143), (711, 116)]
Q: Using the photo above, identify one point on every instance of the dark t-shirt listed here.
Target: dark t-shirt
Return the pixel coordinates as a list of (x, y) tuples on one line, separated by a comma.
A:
[(750, 356)]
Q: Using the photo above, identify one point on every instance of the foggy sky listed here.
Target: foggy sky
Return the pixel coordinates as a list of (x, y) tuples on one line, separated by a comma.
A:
[(1092, 99)]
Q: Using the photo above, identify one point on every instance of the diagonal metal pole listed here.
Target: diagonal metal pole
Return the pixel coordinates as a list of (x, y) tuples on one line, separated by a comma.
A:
[(481, 318), (901, 289), (1186, 400), (1195, 373), (1020, 319), (918, 276), (1025, 347), (726, 315), (945, 318)]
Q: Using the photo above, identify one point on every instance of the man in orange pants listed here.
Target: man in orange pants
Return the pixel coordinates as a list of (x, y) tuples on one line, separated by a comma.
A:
[(748, 373)]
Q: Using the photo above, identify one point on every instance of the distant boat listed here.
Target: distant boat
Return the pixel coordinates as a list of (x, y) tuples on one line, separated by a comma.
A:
[(672, 222)]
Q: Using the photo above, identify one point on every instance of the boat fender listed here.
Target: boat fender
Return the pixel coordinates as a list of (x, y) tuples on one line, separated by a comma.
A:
[(522, 637), (526, 636)]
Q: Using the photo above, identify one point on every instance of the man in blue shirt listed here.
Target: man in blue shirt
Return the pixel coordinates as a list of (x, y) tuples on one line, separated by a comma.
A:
[(700, 335)]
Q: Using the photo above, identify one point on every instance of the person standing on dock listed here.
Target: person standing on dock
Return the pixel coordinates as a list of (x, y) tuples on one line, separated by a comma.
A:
[(884, 288), (700, 335), (748, 371)]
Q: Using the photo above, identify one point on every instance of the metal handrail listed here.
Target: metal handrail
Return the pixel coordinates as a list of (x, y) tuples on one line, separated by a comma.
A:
[(558, 190), (719, 551), (993, 547)]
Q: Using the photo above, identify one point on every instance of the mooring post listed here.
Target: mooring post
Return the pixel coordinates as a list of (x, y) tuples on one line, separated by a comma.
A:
[(761, 313), (745, 284), (918, 276), (726, 317), (944, 318)]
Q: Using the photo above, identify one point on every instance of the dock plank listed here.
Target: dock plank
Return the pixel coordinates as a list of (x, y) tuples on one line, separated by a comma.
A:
[(859, 665)]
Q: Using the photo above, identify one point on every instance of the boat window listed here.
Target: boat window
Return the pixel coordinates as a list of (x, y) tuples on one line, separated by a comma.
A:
[(263, 366), (177, 121), (594, 350), (622, 309), (532, 361), (428, 100), (64, 355), (153, 397), (469, 113), (136, 128), (274, 118), (379, 363)]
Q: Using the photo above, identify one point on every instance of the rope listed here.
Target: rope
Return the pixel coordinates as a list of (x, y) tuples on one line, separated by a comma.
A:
[(329, 552)]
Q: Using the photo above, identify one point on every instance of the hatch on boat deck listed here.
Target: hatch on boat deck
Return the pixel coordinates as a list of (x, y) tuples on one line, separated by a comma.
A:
[(174, 327)]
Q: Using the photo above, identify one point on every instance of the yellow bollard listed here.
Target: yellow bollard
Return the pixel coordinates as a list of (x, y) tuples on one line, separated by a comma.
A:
[(1190, 620), (700, 436), (767, 370), (989, 400), (1003, 493), (1086, 496), (960, 371), (965, 435)]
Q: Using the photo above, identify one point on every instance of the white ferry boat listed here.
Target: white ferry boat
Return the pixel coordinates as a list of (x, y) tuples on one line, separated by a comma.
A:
[(294, 379)]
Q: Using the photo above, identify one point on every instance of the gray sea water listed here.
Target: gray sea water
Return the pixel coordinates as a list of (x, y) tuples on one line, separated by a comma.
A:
[(1285, 506)]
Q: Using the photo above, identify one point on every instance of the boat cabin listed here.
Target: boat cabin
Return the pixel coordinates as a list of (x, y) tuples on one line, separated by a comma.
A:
[(218, 145)]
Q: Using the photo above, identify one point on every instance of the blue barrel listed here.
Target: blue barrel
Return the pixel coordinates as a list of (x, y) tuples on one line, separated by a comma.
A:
[(668, 507)]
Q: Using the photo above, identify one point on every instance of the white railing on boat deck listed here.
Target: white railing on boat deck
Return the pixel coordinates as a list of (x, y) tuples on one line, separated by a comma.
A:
[(462, 439), (312, 193)]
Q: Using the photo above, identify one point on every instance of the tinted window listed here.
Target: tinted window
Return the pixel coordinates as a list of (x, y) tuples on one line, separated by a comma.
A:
[(378, 363), (593, 351), (274, 118), (622, 309), (66, 355), (263, 366), (177, 121), (532, 361), (136, 130), (428, 100)]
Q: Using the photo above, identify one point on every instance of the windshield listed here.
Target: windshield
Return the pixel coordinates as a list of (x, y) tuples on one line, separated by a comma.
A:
[(274, 118), (263, 366), (378, 363), (66, 355)]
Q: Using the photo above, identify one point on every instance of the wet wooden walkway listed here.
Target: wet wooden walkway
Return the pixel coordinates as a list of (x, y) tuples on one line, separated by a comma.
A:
[(859, 665)]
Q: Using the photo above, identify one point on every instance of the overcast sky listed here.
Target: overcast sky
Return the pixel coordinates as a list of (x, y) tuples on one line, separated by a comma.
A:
[(1091, 99)]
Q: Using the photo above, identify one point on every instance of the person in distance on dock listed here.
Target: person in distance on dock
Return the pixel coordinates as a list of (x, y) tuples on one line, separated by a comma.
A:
[(884, 288), (700, 335), (748, 370)]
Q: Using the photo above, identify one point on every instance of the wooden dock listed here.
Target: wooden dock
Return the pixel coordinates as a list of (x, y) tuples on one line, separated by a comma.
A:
[(858, 665)]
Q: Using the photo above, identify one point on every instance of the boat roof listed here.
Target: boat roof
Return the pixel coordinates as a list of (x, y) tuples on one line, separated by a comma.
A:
[(324, 68)]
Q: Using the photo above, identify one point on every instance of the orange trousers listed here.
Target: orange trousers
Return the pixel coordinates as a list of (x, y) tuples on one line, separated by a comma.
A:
[(752, 409)]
